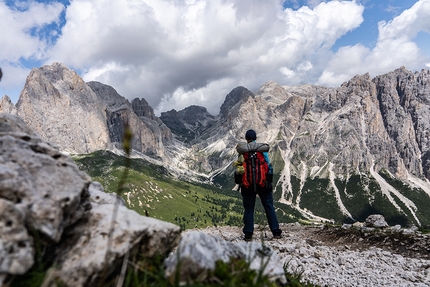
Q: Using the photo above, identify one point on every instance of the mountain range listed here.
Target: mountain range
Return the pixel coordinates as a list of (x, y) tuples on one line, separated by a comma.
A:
[(339, 154)]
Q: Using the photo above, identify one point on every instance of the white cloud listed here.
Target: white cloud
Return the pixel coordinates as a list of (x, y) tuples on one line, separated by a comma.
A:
[(16, 41), (287, 72), (408, 23), (211, 97), (394, 48), (175, 52), (183, 52), (12, 80), (344, 65)]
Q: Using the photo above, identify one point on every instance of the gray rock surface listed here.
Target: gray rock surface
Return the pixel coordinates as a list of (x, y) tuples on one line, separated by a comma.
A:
[(99, 196), (89, 251), (6, 105), (17, 249), (197, 252), (376, 220), (143, 110), (43, 183), (46, 201), (150, 135), (188, 124), (327, 260), (63, 110)]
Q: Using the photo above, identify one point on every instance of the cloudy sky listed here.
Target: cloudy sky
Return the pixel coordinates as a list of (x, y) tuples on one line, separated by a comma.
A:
[(176, 53)]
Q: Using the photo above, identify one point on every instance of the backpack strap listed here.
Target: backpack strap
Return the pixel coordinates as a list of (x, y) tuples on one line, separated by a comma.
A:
[(252, 156)]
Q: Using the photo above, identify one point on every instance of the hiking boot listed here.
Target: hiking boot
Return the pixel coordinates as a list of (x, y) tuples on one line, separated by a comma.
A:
[(277, 236), (248, 237)]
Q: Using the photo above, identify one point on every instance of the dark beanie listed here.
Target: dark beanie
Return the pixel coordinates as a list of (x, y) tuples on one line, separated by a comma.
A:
[(250, 135)]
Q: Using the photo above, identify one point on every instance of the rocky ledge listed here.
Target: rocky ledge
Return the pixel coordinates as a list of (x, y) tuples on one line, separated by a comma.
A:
[(52, 213), (350, 255)]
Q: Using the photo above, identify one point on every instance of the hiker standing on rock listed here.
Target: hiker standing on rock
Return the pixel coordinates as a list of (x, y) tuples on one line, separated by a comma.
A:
[(254, 174)]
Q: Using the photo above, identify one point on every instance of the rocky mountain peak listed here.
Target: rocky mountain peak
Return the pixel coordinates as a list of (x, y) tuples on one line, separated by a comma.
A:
[(273, 92), (6, 105), (109, 96), (83, 117), (63, 109), (238, 94), (65, 82), (143, 110), (195, 113), (189, 123), (358, 87), (404, 103)]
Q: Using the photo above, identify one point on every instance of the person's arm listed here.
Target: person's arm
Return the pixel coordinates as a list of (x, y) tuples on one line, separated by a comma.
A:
[(266, 158), (238, 164)]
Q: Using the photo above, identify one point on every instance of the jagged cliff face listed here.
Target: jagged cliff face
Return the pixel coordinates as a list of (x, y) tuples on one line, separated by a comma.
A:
[(6, 105), (160, 132), (188, 124), (83, 117), (63, 109), (405, 106), (366, 124), (150, 135)]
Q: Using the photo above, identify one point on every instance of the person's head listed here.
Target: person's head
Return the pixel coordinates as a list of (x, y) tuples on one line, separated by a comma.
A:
[(250, 135)]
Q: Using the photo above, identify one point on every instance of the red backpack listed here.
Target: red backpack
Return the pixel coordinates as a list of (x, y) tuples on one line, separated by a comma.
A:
[(256, 168)]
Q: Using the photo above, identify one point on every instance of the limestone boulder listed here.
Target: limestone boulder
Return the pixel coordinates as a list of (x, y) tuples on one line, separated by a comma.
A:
[(16, 246), (198, 252), (46, 201), (43, 183), (376, 220), (99, 196), (97, 246)]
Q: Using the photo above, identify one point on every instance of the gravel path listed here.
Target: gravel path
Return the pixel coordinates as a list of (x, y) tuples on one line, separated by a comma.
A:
[(338, 257)]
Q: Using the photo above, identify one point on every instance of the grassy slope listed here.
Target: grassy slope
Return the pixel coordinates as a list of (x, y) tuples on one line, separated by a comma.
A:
[(150, 189)]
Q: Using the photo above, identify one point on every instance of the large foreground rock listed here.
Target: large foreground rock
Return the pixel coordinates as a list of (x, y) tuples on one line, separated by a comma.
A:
[(16, 251), (89, 250), (198, 252), (44, 184), (45, 200)]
